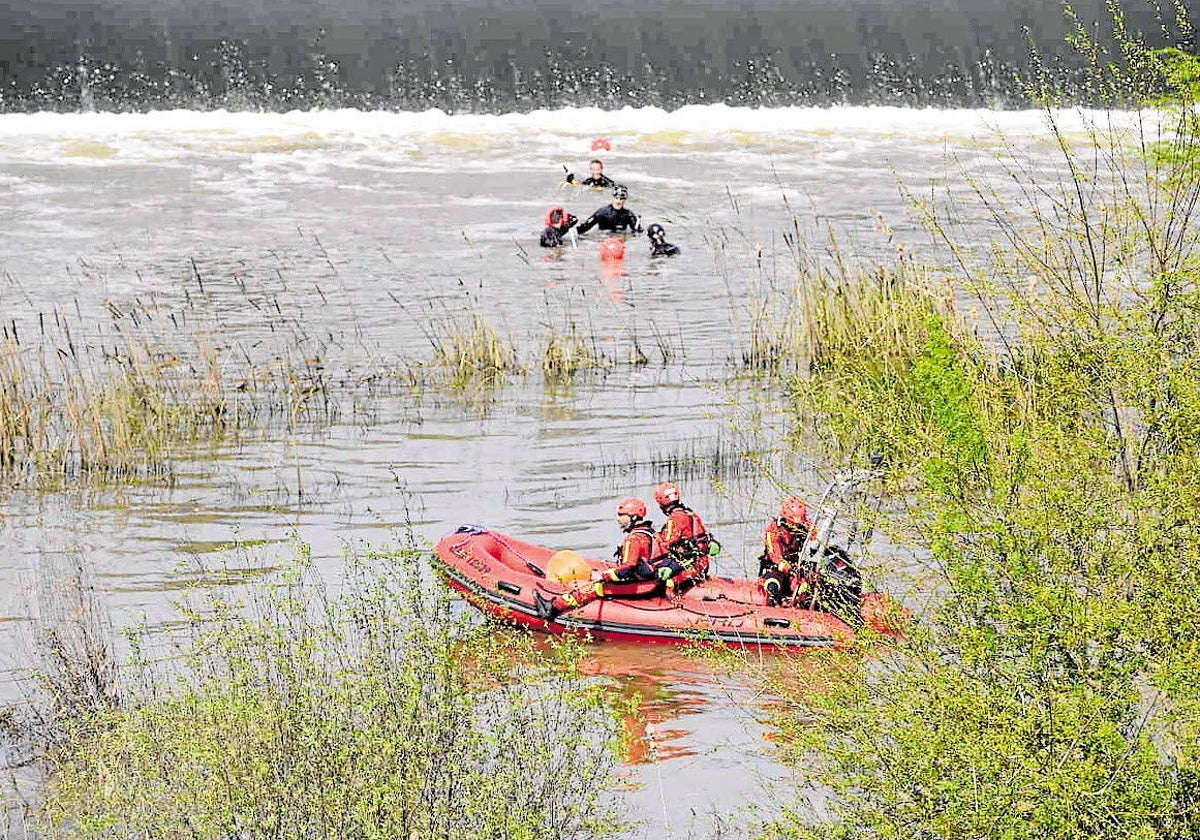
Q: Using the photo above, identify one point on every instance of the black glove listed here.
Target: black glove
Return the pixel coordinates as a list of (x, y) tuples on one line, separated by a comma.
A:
[(570, 177), (571, 221)]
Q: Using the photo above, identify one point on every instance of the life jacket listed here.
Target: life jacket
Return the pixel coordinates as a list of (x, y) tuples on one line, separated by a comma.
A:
[(788, 541), (691, 545), (646, 528)]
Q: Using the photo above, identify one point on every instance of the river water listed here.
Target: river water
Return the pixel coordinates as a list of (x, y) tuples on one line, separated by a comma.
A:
[(353, 237)]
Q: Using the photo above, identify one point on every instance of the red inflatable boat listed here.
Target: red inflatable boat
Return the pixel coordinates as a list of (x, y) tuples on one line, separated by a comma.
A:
[(499, 574)]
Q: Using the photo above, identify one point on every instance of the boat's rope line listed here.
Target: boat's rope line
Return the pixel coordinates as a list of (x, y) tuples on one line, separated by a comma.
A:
[(710, 615), (633, 603), (534, 567), (477, 530)]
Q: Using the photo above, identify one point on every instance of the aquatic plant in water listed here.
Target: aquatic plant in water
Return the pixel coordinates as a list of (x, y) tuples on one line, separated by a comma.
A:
[(76, 407), (567, 352)]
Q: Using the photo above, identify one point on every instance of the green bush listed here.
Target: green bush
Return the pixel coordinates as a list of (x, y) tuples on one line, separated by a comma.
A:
[(381, 712), (1050, 475)]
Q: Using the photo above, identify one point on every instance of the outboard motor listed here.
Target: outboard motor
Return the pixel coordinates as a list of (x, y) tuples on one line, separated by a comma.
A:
[(840, 585)]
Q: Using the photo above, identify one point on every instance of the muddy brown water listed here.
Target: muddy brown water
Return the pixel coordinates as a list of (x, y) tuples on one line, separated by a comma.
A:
[(349, 239)]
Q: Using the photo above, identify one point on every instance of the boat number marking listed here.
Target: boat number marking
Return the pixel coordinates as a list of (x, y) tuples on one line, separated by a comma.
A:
[(726, 622), (479, 566)]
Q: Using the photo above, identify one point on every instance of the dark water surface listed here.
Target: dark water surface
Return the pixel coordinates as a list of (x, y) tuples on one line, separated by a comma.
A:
[(490, 56)]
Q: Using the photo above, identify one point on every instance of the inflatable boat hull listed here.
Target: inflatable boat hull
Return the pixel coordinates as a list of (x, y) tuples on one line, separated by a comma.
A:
[(499, 574)]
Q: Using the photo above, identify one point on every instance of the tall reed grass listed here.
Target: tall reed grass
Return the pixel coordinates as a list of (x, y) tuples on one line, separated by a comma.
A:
[(478, 356), (567, 352), (115, 401), (843, 309), (60, 420), (475, 354), (119, 409)]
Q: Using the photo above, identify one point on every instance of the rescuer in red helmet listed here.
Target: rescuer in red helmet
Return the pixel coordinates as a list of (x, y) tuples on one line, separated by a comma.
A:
[(782, 541), (684, 538), (558, 222), (637, 558)]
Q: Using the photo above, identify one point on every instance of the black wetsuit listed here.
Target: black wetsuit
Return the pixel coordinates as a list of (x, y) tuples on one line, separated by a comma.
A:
[(663, 249), (603, 182), (609, 218), (552, 237)]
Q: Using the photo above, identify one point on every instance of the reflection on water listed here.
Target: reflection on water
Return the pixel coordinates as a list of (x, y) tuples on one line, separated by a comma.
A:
[(699, 745), (661, 685)]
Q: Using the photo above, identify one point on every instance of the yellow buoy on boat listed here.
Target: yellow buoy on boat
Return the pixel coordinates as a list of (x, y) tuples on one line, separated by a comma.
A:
[(567, 566)]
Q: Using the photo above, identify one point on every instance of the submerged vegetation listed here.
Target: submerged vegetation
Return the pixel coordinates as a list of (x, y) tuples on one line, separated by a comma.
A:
[(60, 420), (475, 355), (1050, 469), (567, 352), (478, 355), (378, 711), (121, 401)]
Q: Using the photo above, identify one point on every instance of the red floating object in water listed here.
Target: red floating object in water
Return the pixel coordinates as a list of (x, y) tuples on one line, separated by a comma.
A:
[(612, 249), (601, 144)]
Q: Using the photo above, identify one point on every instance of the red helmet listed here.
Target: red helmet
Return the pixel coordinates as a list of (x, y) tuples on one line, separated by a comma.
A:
[(555, 217), (666, 493), (632, 507), (794, 510)]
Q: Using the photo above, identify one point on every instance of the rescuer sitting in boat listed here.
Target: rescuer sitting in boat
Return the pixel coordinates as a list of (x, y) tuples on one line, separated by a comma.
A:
[(640, 557), (558, 222), (795, 568), (779, 568), (683, 537)]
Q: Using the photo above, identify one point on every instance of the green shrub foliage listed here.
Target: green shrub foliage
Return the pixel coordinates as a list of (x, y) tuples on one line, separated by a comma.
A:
[(385, 711), (1050, 467)]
